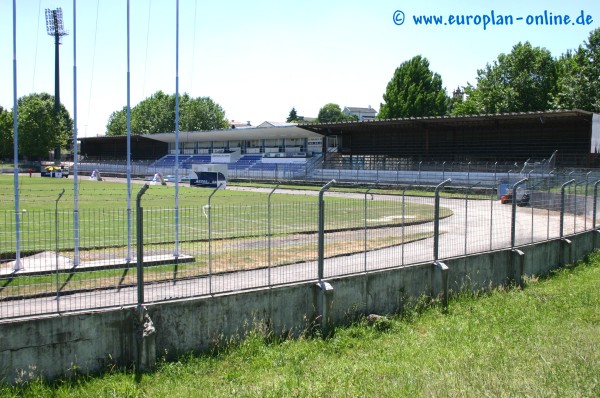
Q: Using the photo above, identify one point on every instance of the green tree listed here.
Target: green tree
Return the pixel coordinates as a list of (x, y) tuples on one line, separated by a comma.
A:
[(569, 75), (6, 134), (331, 113), (117, 123), (578, 83), (156, 114), (522, 81), (466, 106), (200, 114), (414, 91), (40, 130), (293, 116)]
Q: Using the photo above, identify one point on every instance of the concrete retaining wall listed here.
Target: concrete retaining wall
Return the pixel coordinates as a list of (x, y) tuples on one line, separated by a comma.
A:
[(60, 345), (57, 345)]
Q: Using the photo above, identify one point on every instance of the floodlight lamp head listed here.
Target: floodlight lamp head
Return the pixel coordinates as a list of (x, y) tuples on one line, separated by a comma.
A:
[(54, 23)]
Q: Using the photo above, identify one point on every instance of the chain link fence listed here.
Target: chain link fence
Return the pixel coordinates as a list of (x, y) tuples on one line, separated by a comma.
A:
[(227, 241)]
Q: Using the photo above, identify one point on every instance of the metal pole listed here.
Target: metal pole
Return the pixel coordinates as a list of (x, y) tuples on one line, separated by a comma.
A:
[(492, 198), (495, 171), (436, 218), (595, 205), (366, 226), (75, 160), (209, 216), (176, 254), (403, 212), (56, 248), (548, 211), (469, 174), (140, 244), (321, 262), (513, 221), (575, 208), (57, 154), (17, 266), (562, 205), (466, 214), (129, 226), (269, 228), (532, 208), (587, 183)]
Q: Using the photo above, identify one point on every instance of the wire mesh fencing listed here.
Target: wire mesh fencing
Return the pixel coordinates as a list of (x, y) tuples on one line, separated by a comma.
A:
[(227, 241)]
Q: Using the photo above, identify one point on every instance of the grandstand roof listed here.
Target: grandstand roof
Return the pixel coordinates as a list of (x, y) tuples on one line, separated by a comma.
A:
[(489, 137), (484, 119), (291, 131)]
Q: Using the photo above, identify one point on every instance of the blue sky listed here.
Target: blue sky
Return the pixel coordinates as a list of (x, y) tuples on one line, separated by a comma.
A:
[(258, 59)]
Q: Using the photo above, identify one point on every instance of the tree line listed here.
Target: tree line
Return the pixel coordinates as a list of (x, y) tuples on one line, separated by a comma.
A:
[(41, 130), (526, 79)]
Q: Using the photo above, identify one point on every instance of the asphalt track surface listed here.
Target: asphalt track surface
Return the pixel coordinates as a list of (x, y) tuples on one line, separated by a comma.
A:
[(475, 226)]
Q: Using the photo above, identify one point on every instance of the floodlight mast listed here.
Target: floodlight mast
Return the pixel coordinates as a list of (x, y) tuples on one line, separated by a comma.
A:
[(55, 27)]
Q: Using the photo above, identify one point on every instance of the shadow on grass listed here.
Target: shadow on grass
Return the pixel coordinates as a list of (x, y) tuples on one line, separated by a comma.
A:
[(122, 280), (66, 282), (7, 282)]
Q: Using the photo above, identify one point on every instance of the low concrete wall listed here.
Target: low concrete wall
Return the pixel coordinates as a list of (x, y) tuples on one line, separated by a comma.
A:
[(60, 345), (87, 342), (198, 324)]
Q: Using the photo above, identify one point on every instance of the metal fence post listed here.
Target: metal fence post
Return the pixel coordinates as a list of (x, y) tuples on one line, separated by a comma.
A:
[(468, 173), (322, 229), (140, 244), (443, 169), (436, 218), (492, 199), (548, 211), (587, 183), (56, 248), (209, 217), (595, 205), (467, 190), (269, 230), (466, 213), (403, 218), (562, 205), (495, 173), (513, 220), (575, 207), (366, 226)]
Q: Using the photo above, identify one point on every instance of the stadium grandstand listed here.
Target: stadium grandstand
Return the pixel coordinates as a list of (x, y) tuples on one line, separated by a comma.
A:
[(573, 136), (516, 142)]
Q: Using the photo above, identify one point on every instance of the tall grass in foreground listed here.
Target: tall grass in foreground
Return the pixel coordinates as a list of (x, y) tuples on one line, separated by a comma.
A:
[(542, 341)]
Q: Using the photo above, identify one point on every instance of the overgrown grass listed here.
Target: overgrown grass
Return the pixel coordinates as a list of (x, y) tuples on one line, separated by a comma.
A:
[(542, 341)]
